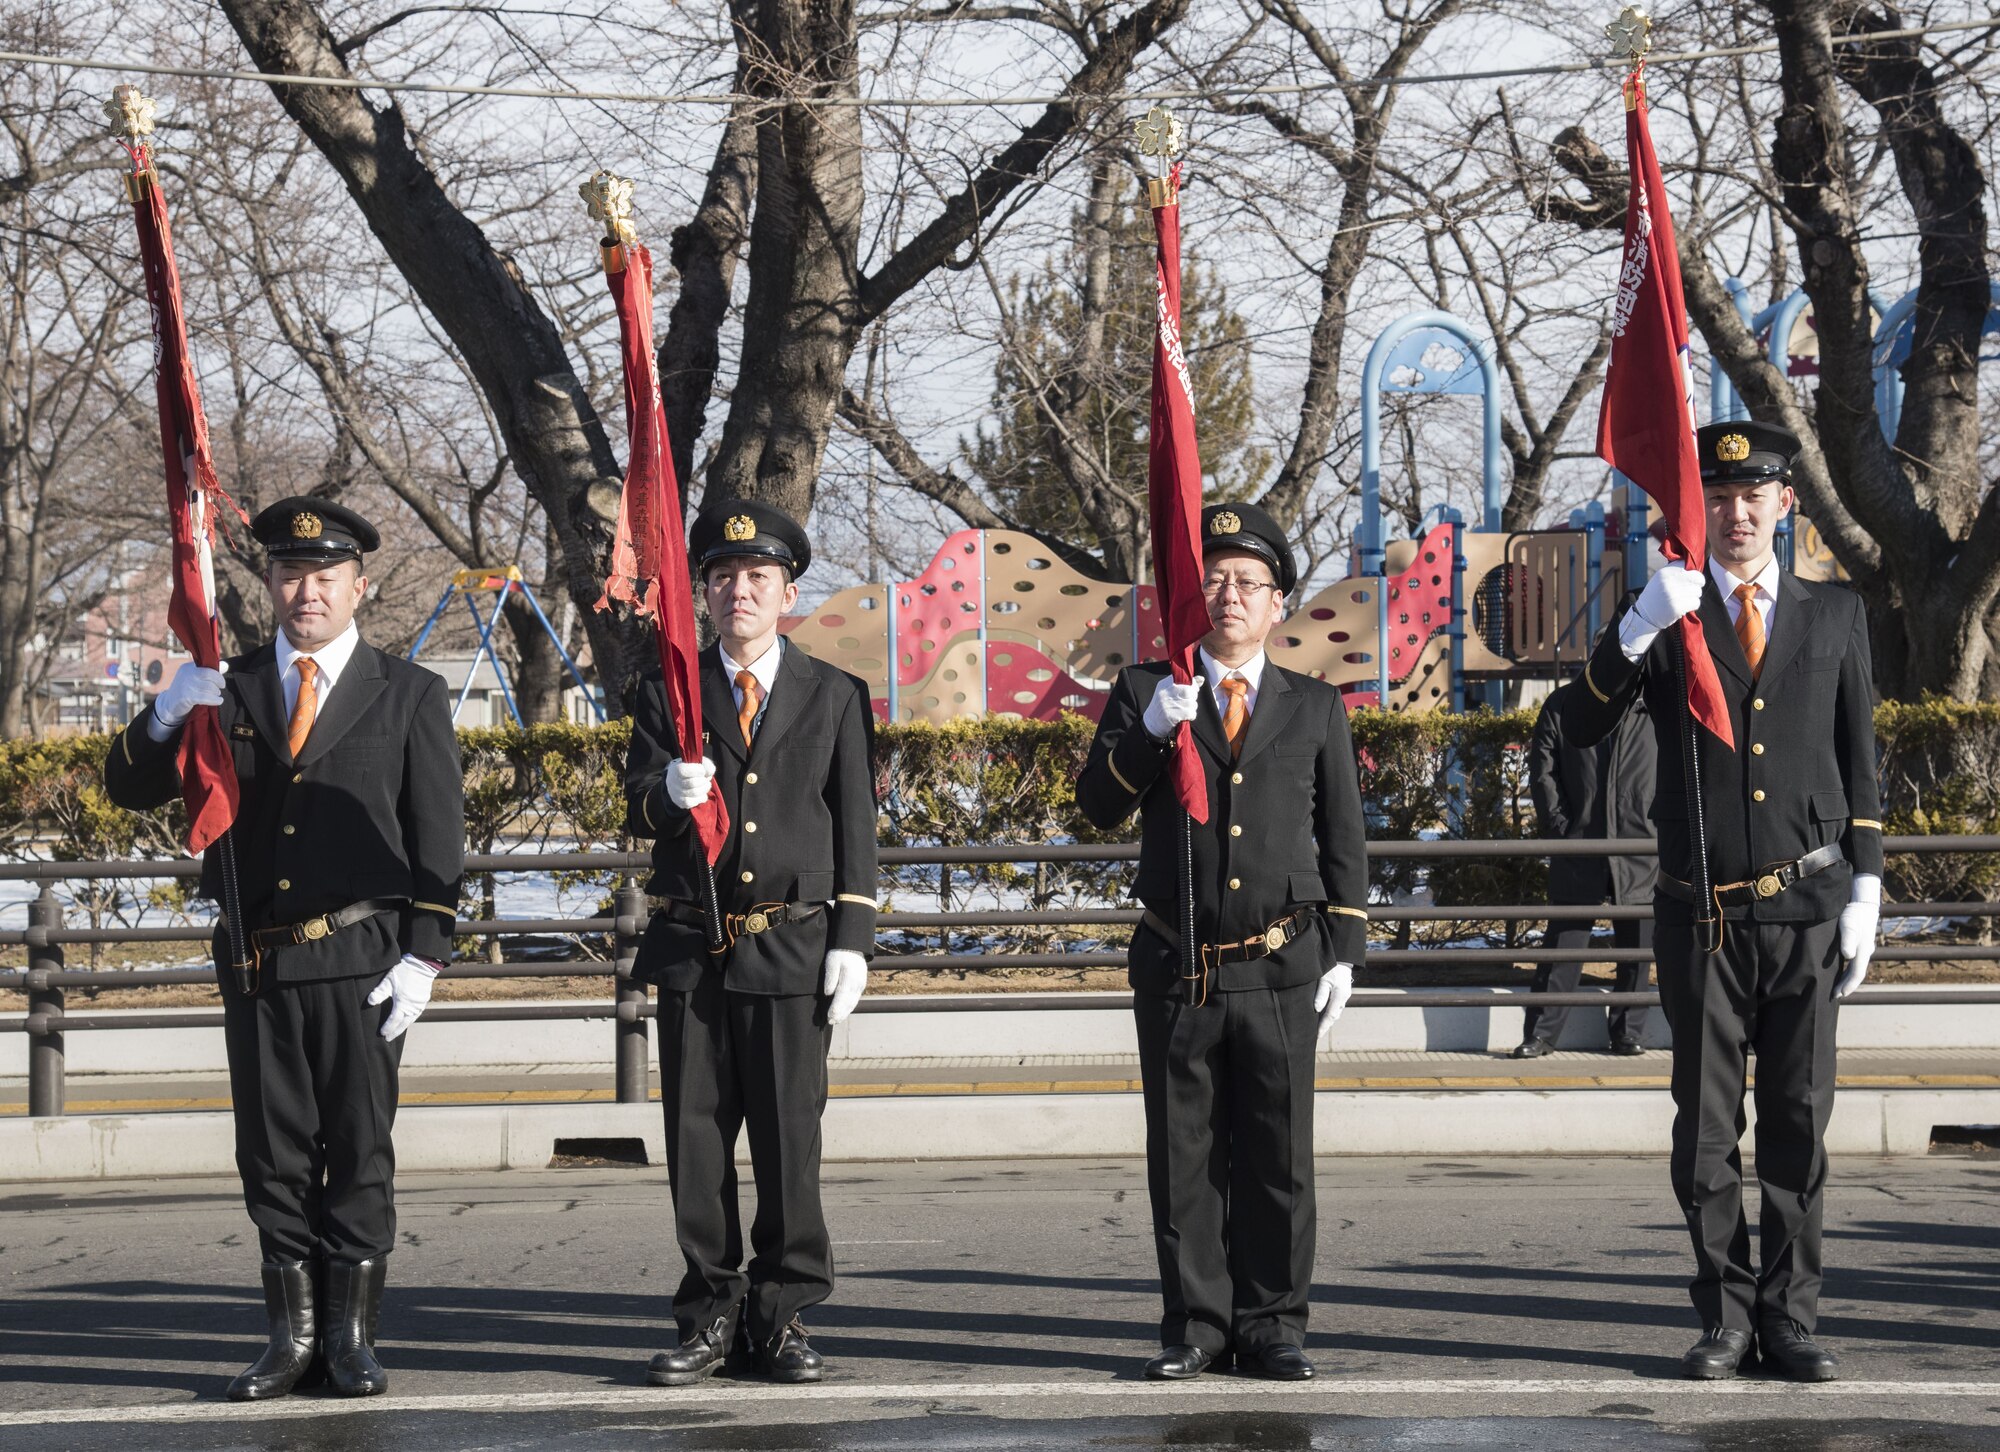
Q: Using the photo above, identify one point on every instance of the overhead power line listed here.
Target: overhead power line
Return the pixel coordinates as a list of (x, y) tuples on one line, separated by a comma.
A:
[(730, 98)]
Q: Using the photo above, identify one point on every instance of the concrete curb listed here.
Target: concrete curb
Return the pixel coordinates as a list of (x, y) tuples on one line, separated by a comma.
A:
[(1000, 1126)]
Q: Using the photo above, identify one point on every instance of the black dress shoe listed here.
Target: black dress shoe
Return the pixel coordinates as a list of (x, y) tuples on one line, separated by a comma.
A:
[(789, 1357), (1789, 1347), (347, 1335), (1279, 1361), (289, 1306), (697, 1357), (1628, 1048), (1532, 1049), (1717, 1356), (1180, 1363)]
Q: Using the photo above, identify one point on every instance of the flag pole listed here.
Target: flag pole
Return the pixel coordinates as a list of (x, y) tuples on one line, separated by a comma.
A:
[(206, 763), (648, 568), (1160, 136)]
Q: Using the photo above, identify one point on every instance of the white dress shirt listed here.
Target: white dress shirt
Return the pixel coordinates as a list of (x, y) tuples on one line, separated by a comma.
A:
[(331, 658), (1252, 670), (764, 669), (1766, 598)]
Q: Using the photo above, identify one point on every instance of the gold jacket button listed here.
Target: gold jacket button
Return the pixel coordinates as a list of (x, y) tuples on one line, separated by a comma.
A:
[(1756, 748), (1236, 831), (1236, 778), (1756, 796), (284, 884), (749, 826), (749, 778), (290, 829), (1758, 704), (749, 877), (1234, 883), (298, 776)]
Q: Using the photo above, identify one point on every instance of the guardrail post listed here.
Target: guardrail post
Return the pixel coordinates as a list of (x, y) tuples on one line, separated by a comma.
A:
[(45, 1046), (631, 1046)]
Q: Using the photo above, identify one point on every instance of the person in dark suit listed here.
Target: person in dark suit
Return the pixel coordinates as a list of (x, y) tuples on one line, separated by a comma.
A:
[(1280, 876), (1794, 836), (1597, 791), (349, 851), (744, 1032)]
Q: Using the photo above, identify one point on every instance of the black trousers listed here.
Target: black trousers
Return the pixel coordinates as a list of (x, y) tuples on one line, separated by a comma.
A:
[(1627, 1024), (1229, 1163), (312, 1085), (1770, 990), (727, 1061)]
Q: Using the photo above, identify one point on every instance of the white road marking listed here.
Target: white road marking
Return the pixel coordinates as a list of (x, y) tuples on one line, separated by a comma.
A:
[(645, 1399)]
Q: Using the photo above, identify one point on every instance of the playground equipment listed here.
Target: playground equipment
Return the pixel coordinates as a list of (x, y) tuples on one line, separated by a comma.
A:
[(998, 623), (498, 582)]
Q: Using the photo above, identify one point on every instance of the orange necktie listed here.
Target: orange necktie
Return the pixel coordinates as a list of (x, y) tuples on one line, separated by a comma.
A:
[(1750, 628), (305, 708), (1236, 720), (752, 698)]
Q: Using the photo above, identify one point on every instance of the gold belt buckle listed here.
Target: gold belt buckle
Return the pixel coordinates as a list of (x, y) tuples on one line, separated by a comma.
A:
[(1769, 886), (1274, 938), (314, 929), (756, 922)]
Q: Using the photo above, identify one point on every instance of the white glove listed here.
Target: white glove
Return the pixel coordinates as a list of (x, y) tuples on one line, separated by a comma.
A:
[(409, 983), (1335, 987), (1171, 705), (687, 783), (846, 978), (1858, 921), (1671, 593), (191, 686)]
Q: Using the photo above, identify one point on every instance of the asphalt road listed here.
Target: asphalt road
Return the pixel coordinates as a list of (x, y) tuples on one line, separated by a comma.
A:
[(1463, 1304)]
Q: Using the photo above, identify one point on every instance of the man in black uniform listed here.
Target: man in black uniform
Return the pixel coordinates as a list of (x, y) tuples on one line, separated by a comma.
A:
[(744, 1033), (1280, 887), (349, 849), (1597, 791), (1795, 860)]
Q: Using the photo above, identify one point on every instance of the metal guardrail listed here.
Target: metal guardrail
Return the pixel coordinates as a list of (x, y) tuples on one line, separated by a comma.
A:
[(45, 979)]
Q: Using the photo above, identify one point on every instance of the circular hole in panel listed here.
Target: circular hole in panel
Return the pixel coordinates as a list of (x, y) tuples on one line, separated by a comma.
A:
[(1075, 703), (949, 563), (915, 626), (909, 659), (927, 645), (1003, 658), (968, 607), (1041, 673), (970, 545), (949, 674), (906, 601), (1037, 563), (1359, 597), (1114, 601), (868, 665), (1025, 698), (931, 701), (833, 622), (1006, 607), (1322, 613), (1159, 642), (1290, 642), (958, 584), (1024, 586), (1338, 637), (1001, 547), (869, 602), (928, 589), (848, 642), (1066, 589), (1357, 657), (1045, 623), (1114, 659)]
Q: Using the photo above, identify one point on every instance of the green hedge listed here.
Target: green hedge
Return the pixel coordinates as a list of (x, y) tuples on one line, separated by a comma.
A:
[(1006, 780)]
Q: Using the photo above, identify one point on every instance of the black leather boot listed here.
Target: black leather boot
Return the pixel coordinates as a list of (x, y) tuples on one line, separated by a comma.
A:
[(352, 1310), (288, 1303), (1789, 1347), (700, 1355), (789, 1357)]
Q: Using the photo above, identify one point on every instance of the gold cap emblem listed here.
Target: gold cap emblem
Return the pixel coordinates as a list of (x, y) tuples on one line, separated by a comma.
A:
[(1225, 523), (1732, 448), (306, 526), (738, 528)]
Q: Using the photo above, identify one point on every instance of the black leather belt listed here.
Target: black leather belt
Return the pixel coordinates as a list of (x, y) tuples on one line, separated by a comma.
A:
[(1768, 883), (1258, 945), (323, 926), (759, 919)]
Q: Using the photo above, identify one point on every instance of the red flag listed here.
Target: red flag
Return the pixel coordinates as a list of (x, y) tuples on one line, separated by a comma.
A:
[(649, 562), (1645, 427), (1173, 492), (194, 498)]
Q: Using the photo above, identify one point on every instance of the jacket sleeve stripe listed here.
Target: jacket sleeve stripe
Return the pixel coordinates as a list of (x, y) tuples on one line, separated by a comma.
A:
[(1113, 764)]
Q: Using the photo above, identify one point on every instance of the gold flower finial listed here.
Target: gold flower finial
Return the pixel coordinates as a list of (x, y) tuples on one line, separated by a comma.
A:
[(130, 111), (1631, 34), (608, 198), (1160, 134)]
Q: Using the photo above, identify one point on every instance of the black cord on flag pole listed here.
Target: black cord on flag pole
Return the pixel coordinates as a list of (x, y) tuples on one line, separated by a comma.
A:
[(1706, 914)]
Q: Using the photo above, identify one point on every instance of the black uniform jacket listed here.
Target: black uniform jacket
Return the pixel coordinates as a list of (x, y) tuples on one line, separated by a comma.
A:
[(801, 826), (1284, 828), (373, 808), (1604, 790), (1803, 771)]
